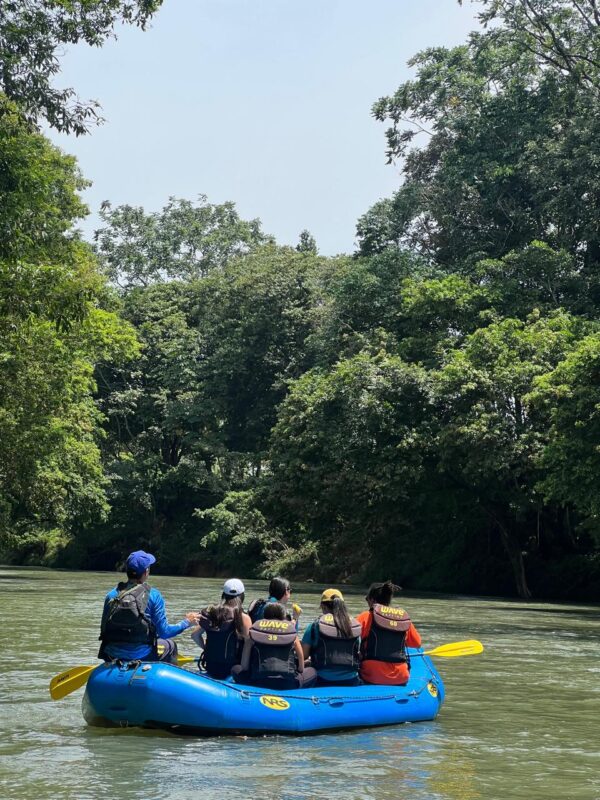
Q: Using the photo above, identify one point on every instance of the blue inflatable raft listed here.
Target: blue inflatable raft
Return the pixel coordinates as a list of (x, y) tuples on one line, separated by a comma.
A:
[(155, 695)]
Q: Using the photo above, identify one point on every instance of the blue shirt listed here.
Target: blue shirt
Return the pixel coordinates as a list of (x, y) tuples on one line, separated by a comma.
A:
[(155, 611), (311, 637)]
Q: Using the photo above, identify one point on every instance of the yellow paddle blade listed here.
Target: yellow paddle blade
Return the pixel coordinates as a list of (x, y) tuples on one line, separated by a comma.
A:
[(69, 680), (471, 647), (75, 677)]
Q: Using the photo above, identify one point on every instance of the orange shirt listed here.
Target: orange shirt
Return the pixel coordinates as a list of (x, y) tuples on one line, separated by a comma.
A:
[(380, 671)]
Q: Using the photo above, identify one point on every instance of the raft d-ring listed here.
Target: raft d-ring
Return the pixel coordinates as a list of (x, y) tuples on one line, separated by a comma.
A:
[(245, 695), (315, 700)]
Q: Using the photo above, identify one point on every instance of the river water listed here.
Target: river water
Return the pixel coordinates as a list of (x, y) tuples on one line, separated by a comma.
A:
[(522, 720)]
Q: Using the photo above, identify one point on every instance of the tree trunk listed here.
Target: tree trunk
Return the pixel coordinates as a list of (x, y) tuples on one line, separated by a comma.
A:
[(515, 555)]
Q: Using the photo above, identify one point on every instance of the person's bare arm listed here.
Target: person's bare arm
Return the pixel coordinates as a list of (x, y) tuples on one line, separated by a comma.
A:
[(246, 654), (300, 654), (247, 625)]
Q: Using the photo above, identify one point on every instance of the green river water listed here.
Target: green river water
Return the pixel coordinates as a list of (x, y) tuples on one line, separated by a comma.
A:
[(522, 720)]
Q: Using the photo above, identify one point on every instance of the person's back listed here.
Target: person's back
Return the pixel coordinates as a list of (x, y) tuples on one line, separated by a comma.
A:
[(272, 656), (134, 624), (333, 642), (386, 633), (223, 629)]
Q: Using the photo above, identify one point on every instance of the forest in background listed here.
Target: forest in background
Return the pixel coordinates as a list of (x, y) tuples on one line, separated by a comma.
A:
[(426, 408)]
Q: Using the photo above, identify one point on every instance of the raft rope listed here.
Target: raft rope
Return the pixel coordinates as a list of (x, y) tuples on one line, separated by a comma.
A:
[(247, 693)]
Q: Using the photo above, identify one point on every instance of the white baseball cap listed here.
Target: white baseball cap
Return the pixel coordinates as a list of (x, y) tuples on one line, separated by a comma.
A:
[(233, 587)]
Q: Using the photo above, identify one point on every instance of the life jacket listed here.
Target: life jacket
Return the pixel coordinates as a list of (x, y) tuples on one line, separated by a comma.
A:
[(333, 650), (273, 655), (223, 647), (126, 620), (387, 636)]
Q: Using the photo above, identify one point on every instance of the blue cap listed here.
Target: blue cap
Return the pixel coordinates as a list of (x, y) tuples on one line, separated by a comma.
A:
[(139, 562)]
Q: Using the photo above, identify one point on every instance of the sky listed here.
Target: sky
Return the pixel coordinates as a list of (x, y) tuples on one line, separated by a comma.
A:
[(266, 103)]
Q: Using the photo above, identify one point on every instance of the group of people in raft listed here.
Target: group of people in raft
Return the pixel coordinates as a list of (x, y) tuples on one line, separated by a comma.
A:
[(262, 647)]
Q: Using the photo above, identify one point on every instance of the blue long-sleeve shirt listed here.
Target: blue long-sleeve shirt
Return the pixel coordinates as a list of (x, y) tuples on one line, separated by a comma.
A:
[(155, 611)]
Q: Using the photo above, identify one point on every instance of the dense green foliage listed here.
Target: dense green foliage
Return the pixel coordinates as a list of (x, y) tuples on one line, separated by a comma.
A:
[(33, 34), (54, 329), (426, 409)]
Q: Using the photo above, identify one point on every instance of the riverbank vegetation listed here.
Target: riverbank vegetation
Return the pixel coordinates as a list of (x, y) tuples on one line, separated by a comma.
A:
[(424, 408)]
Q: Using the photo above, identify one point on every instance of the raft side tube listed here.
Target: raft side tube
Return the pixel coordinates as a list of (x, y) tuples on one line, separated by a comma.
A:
[(165, 696)]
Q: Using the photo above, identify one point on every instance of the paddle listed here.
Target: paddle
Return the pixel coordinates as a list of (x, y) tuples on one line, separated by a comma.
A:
[(471, 647), (71, 679)]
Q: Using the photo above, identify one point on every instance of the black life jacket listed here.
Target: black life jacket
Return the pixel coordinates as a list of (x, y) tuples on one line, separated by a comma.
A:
[(126, 620), (273, 655), (223, 646), (333, 650), (386, 639)]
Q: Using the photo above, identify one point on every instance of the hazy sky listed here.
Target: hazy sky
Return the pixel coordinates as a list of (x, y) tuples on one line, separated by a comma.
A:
[(263, 102)]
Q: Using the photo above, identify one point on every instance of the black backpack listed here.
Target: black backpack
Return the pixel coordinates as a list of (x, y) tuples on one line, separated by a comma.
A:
[(256, 609), (126, 620)]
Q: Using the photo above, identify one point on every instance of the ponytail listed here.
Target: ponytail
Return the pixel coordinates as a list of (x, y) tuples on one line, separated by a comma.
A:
[(217, 615), (342, 620), (382, 592)]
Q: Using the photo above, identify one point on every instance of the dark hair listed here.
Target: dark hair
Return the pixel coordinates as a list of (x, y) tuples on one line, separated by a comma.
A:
[(278, 587), (274, 611), (382, 592), (217, 615), (342, 620)]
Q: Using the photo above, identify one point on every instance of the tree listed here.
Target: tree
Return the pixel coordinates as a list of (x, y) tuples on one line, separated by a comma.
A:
[(162, 440), (347, 455), (569, 398), (184, 241), (510, 133), (562, 34), (256, 316), (490, 440), (307, 243), (240, 533), (53, 330), (32, 33), (44, 269), (190, 419), (357, 304)]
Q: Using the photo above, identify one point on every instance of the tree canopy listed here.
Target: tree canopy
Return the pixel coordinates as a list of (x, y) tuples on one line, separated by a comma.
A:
[(424, 409), (32, 35), (55, 326)]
